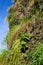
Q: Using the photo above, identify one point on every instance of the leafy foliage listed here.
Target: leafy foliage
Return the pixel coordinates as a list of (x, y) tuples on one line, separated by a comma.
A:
[(25, 36)]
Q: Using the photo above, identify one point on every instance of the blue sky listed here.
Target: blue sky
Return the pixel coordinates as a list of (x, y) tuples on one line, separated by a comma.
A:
[(4, 4)]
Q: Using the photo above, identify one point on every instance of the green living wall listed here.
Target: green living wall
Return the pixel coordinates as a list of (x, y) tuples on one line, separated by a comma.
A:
[(25, 36)]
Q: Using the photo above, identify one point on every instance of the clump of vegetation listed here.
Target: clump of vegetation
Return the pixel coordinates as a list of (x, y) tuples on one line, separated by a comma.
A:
[(27, 56), (35, 56), (25, 35)]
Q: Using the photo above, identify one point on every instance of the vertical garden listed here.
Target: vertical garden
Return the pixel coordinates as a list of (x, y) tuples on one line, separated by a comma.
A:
[(25, 36)]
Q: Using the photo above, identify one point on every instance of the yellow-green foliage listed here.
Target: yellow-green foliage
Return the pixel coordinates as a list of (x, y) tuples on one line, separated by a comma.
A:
[(14, 56)]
